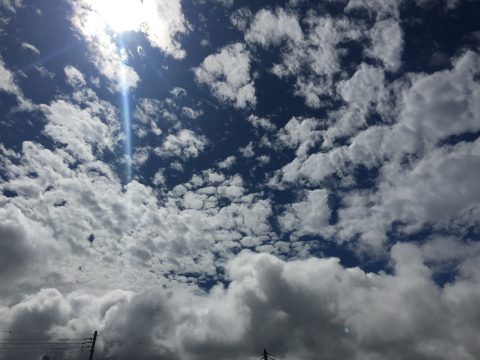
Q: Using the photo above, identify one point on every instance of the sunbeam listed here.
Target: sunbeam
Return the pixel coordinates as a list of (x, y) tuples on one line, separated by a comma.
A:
[(125, 114)]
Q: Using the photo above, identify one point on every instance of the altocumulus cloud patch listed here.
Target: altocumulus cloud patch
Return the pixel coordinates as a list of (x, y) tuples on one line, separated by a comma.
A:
[(300, 177)]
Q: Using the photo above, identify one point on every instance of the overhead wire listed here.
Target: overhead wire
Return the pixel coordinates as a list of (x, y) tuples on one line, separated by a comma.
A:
[(43, 333), (42, 344)]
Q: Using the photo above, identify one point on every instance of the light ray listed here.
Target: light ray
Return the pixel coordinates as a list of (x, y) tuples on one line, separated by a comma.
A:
[(125, 114), (49, 57)]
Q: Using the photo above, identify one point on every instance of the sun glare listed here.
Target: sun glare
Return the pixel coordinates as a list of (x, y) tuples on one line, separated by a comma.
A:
[(121, 15)]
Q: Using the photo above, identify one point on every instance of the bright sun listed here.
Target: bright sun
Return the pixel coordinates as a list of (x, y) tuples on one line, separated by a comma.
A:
[(121, 15)]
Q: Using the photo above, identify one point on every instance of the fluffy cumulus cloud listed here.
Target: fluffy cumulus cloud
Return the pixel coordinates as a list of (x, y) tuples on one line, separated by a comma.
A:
[(387, 43), (310, 216), (184, 144), (407, 191), (227, 74), (271, 28), (305, 308), (312, 58)]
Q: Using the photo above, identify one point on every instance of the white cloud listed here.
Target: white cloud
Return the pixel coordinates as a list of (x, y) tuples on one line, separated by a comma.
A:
[(147, 114), (74, 77), (25, 246), (161, 21), (300, 134), (387, 43), (11, 5), (8, 84), (365, 88), (271, 28), (44, 72), (431, 108), (178, 92), (100, 22), (184, 144), (280, 305), (428, 192), (228, 162), (82, 130), (30, 47), (227, 74), (444, 103), (191, 113), (261, 123), (382, 8), (312, 57), (104, 52), (240, 18), (248, 150), (307, 217)]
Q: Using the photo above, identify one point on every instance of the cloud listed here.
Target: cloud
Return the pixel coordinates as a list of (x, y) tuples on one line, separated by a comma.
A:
[(178, 92), (281, 305), (74, 77), (428, 192), (409, 154), (271, 28), (227, 74), (261, 123), (420, 125), (9, 85), (228, 162), (191, 113), (311, 57), (11, 5), (381, 8), (104, 52), (385, 159), (184, 144), (365, 88), (240, 18), (446, 102), (147, 114), (81, 130), (300, 134), (248, 150), (30, 47), (387, 43), (161, 21), (309, 216), (25, 245)]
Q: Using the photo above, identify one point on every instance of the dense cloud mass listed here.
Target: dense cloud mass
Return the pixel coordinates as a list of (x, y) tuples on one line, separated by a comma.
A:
[(204, 180)]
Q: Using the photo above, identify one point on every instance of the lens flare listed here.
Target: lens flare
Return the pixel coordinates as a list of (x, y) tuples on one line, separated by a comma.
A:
[(125, 114)]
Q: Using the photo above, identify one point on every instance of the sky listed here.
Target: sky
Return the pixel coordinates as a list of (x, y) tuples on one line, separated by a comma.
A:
[(203, 179)]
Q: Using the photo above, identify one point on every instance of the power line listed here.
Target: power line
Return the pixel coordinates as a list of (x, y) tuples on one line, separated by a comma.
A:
[(43, 343), (47, 339), (43, 333), (44, 348)]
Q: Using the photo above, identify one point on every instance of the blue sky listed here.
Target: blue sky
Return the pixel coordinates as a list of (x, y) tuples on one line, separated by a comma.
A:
[(204, 179)]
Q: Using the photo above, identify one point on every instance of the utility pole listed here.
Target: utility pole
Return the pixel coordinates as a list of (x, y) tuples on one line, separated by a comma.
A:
[(266, 355), (92, 348)]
